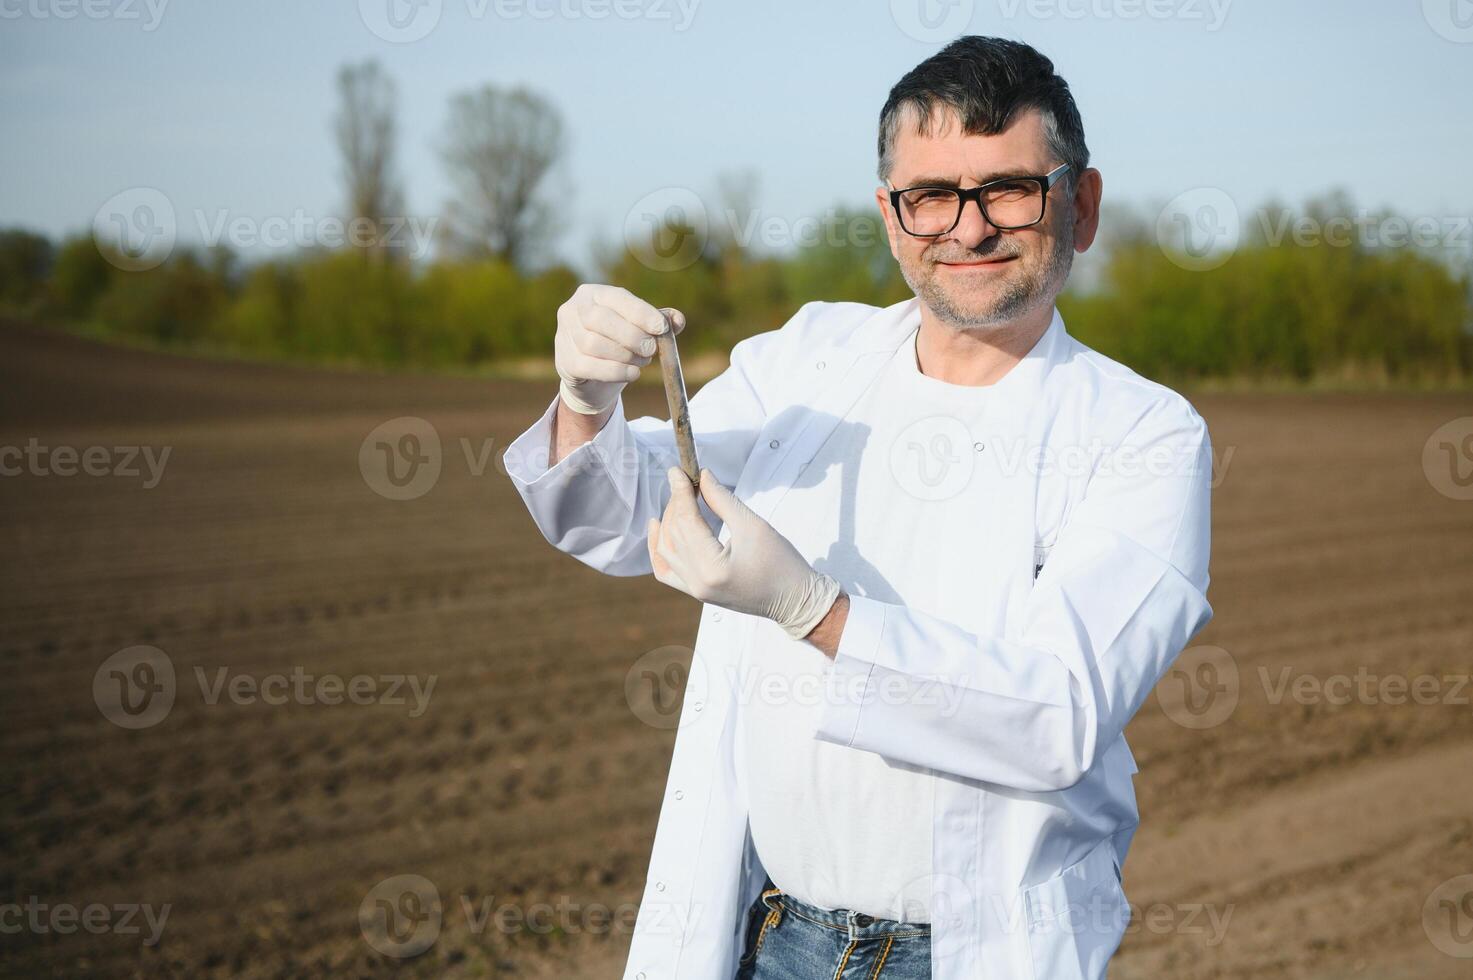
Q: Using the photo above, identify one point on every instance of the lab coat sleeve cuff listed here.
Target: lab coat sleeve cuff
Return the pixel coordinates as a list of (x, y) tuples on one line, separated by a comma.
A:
[(848, 677), (527, 456)]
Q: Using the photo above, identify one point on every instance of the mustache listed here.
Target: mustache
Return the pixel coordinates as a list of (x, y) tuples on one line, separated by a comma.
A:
[(937, 253)]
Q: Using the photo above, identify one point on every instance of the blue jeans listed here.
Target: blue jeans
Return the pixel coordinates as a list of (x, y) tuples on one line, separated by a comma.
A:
[(791, 940)]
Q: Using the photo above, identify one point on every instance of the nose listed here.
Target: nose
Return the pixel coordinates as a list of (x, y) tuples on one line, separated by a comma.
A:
[(973, 228)]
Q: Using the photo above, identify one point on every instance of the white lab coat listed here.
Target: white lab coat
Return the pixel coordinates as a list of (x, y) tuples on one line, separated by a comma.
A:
[(1097, 474)]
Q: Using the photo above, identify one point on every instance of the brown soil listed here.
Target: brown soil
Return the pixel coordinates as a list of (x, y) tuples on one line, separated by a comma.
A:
[(1320, 829)]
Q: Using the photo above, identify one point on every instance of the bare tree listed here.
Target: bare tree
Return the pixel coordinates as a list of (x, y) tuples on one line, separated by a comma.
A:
[(737, 219), (499, 146), (366, 130)]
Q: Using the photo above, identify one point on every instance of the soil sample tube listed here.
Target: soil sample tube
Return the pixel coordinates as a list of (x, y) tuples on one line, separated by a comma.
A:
[(685, 440)]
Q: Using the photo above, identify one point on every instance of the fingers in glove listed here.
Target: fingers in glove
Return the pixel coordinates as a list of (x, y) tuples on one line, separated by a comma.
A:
[(628, 306), (676, 318), (607, 334), (682, 506), (723, 502), (586, 368), (686, 525), (658, 563), (687, 542)]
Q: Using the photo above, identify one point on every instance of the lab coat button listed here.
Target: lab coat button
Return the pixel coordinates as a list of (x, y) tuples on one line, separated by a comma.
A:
[(820, 365), (680, 794), (659, 886), (716, 615), (978, 446), (699, 705), (773, 444)]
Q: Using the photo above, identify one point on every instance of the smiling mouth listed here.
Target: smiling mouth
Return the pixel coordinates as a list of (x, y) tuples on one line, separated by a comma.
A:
[(978, 263)]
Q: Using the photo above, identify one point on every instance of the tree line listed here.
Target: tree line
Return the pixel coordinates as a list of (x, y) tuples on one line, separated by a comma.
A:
[(1279, 308)]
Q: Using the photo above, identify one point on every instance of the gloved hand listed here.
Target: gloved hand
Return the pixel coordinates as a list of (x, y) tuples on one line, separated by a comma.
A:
[(604, 336), (757, 571)]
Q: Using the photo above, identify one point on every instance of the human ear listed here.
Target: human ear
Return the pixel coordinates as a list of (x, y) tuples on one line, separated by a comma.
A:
[(1087, 191)]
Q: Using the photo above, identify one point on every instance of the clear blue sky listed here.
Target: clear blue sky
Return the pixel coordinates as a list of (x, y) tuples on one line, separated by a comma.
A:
[(226, 107)]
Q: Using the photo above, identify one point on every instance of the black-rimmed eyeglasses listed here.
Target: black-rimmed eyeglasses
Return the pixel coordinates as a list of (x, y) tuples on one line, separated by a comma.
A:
[(1007, 203)]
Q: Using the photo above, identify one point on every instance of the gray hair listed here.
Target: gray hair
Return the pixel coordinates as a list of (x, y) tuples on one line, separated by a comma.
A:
[(987, 81)]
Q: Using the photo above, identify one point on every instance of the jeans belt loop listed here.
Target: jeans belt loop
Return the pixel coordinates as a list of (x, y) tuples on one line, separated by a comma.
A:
[(775, 906)]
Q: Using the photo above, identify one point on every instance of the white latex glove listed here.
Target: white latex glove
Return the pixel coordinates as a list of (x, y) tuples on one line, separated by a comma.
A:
[(604, 336), (757, 571)]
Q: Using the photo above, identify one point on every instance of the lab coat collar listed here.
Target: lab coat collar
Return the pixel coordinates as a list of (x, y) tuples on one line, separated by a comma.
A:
[(892, 325), (858, 360), (1015, 426)]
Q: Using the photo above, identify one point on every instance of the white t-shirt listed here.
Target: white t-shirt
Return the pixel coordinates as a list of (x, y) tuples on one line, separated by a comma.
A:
[(887, 494)]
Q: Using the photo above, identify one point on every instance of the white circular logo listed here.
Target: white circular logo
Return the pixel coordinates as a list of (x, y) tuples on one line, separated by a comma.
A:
[(932, 20), (400, 21), (667, 229), (135, 688), (1447, 917), (1201, 689), (135, 229), (1452, 19), (401, 916), (1199, 229), (947, 900), (1447, 459), (933, 458), (658, 683), (400, 460)]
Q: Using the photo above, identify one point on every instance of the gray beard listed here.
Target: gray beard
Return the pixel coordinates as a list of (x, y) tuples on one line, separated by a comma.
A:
[(1019, 296)]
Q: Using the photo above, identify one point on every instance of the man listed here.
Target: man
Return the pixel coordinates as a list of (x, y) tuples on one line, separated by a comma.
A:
[(958, 551)]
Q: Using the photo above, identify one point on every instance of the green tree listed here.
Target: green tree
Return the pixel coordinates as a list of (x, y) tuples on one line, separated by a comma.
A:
[(79, 276), (25, 264)]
